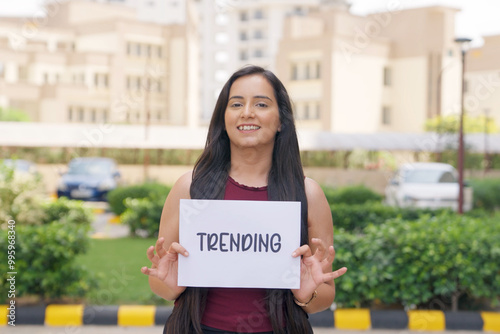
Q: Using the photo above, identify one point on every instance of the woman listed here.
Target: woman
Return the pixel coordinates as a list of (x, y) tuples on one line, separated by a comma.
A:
[(251, 153)]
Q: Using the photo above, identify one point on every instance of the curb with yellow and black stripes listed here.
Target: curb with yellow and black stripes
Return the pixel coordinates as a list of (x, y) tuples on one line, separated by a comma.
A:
[(357, 319)]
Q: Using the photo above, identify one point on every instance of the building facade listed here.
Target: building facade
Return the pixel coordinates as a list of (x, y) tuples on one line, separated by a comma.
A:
[(482, 89), (95, 62), (352, 74)]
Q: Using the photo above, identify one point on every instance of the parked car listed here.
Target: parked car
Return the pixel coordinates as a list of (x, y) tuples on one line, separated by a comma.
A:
[(426, 185), (89, 179), (22, 168)]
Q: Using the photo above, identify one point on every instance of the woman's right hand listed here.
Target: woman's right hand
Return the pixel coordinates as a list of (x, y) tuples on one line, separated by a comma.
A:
[(165, 264)]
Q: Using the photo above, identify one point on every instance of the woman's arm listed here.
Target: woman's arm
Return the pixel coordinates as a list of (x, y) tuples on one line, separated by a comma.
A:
[(318, 256), (163, 282)]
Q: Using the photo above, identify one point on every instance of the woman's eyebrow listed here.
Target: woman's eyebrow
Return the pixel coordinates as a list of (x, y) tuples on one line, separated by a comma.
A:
[(255, 97)]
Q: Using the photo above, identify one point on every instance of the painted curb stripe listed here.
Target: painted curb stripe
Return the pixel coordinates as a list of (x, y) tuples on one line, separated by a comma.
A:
[(352, 319), (100, 315), (491, 321), (30, 315), (3, 314), (425, 320), (390, 319), (64, 315), (162, 314), (136, 315), (462, 320), (322, 319)]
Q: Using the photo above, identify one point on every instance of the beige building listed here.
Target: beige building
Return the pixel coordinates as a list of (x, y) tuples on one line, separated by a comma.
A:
[(95, 62), (386, 72), (482, 97)]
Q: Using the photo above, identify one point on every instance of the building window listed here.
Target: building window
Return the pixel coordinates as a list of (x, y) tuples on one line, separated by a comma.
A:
[(81, 115), (243, 36), (243, 55), (148, 51), (129, 48), (386, 115), (138, 49), (70, 114), (258, 53), (387, 76), (318, 70), (243, 16), (308, 72), (258, 14), (466, 86), (105, 115), (93, 116), (45, 78), (160, 52), (258, 34), (295, 72)]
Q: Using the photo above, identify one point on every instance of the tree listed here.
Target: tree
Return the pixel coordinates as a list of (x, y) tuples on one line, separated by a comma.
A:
[(449, 124), (13, 115)]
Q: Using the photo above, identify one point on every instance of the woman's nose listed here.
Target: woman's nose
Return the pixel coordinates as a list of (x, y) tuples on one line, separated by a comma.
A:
[(247, 111)]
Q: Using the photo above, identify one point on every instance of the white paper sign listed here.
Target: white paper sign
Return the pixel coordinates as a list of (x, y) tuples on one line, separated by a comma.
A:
[(245, 244)]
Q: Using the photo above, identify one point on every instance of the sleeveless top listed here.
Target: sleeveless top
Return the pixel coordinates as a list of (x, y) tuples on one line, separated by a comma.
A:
[(238, 309)]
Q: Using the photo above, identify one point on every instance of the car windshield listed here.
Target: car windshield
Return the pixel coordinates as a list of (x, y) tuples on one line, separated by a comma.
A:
[(429, 176), (90, 168)]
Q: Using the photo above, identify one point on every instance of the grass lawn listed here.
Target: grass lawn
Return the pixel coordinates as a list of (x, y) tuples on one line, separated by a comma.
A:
[(116, 263)]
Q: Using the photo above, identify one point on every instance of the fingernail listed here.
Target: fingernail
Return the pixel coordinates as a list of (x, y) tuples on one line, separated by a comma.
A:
[(186, 254), (294, 254)]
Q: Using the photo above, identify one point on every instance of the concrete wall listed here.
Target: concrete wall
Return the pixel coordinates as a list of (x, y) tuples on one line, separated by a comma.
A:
[(334, 177)]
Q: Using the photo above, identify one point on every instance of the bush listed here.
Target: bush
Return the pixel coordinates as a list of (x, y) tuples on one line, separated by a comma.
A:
[(356, 217), (20, 197), (486, 194), (153, 191), (66, 211), (351, 195), (143, 216), (418, 262), (45, 257)]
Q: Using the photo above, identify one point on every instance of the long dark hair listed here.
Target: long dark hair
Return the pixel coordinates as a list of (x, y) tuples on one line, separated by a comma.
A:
[(285, 183)]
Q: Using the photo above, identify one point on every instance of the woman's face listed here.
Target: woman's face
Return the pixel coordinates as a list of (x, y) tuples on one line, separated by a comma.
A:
[(252, 114)]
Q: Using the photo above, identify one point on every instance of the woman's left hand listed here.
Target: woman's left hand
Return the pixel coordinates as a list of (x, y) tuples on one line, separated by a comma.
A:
[(315, 269)]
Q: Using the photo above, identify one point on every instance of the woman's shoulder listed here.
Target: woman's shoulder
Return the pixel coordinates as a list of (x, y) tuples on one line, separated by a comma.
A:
[(182, 186), (313, 189)]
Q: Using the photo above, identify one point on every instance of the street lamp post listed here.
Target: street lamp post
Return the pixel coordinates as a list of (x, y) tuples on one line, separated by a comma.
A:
[(463, 42)]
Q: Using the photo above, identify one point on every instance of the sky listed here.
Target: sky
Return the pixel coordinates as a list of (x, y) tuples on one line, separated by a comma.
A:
[(476, 18)]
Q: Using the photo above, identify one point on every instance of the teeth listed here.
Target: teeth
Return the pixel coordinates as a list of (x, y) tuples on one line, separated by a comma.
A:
[(248, 127)]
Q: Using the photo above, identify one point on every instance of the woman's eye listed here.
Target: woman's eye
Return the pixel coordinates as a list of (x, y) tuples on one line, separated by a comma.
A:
[(261, 105), (236, 105)]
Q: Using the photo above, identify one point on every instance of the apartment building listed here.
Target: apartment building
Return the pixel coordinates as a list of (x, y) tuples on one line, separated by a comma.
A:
[(386, 72), (95, 62), (482, 89)]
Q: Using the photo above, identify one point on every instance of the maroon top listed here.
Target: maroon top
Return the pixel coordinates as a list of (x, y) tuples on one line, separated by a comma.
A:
[(238, 309)]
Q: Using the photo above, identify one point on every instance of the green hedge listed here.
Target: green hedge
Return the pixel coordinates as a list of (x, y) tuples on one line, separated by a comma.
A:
[(143, 216), (357, 216), (45, 238), (486, 193), (429, 261), (45, 263), (153, 191), (358, 194)]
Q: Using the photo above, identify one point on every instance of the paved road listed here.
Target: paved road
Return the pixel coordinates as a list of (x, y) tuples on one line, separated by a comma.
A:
[(157, 330)]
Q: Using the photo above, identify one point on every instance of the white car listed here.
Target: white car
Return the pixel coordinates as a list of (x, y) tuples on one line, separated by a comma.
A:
[(426, 185)]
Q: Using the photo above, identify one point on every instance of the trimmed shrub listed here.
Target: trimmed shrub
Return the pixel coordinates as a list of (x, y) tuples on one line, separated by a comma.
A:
[(417, 263), (356, 217), (143, 216), (66, 211), (45, 260), (351, 195), (153, 191), (486, 194)]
